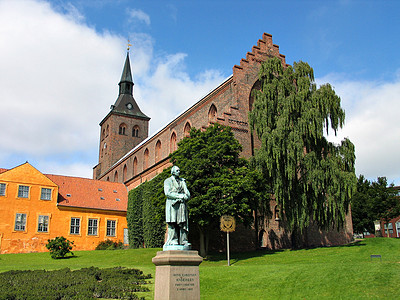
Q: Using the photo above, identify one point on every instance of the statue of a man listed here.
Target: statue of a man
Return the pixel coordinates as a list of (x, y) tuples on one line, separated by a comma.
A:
[(176, 214)]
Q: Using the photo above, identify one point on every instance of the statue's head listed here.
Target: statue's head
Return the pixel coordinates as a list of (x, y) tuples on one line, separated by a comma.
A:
[(175, 171)]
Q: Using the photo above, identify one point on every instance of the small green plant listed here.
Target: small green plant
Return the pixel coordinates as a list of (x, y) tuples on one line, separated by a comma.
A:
[(109, 245), (59, 247)]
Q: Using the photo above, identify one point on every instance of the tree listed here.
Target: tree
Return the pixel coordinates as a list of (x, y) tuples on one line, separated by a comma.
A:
[(312, 179), (59, 247), (374, 201), (219, 181)]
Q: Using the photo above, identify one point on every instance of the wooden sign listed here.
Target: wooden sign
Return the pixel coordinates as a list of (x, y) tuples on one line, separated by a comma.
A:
[(228, 224)]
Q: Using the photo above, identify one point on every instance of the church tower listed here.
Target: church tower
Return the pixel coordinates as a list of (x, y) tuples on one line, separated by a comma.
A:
[(124, 127)]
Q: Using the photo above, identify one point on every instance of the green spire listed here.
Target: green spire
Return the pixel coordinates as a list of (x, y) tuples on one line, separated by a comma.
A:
[(126, 82)]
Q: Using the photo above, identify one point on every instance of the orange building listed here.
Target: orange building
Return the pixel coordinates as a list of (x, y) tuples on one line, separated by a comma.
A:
[(35, 207)]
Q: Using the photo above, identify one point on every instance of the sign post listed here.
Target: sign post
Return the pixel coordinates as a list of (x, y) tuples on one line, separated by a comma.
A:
[(228, 224)]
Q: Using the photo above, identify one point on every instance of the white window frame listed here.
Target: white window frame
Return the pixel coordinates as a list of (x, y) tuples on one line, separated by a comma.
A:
[(93, 229), (3, 188), (45, 194), (111, 229), (75, 226), (43, 223), (23, 191), (20, 222)]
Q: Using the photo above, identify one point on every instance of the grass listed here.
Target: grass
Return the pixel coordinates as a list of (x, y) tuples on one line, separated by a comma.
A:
[(345, 272)]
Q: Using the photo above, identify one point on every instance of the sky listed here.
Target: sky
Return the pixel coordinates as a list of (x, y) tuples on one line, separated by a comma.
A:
[(61, 61)]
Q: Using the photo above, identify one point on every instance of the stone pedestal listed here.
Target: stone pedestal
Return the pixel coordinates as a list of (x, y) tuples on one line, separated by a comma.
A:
[(177, 275)]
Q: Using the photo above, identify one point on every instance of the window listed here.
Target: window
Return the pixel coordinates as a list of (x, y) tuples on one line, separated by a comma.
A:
[(146, 159), (20, 222), (186, 130), (172, 143), (390, 225), (2, 189), (158, 151), (122, 129), (75, 225), (46, 194), (134, 166), (23, 191), (135, 131), (92, 226), (43, 224), (111, 227), (212, 114)]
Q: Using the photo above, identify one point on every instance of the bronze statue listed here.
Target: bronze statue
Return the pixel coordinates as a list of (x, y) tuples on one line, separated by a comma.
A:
[(176, 213)]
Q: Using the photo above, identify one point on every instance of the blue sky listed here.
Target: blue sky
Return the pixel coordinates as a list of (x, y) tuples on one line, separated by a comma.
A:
[(60, 63)]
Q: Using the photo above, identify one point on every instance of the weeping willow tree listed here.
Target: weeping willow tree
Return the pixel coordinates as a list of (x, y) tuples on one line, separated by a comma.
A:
[(312, 179)]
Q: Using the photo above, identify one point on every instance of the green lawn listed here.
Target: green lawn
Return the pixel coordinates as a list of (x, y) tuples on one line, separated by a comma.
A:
[(345, 272)]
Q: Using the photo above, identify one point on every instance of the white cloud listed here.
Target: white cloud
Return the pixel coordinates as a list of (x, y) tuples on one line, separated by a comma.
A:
[(59, 77), (139, 15), (372, 124)]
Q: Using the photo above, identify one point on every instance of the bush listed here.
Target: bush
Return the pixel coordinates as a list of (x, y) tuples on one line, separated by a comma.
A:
[(59, 247), (87, 283), (109, 245)]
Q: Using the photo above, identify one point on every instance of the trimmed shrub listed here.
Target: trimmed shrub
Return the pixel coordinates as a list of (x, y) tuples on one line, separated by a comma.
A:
[(109, 245), (59, 247), (87, 283)]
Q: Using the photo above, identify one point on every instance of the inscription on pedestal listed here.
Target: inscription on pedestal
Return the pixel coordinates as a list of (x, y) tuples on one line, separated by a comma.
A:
[(184, 282)]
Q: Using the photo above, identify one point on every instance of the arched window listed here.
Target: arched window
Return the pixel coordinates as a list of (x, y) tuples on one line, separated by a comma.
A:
[(172, 143), (186, 130), (212, 114), (107, 130), (122, 129), (134, 166), (124, 173), (135, 131), (108, 178), (103, 134), (256, 87), (116, 176), (276, 213), (146, 159), (158, 151)]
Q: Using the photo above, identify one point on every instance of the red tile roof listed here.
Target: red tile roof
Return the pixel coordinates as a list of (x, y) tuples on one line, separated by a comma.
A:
[(3, 170), (88, 193)]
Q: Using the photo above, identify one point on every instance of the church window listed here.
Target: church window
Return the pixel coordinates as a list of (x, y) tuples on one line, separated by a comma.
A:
[(212, 114), (122, 129), (124, 173), (135, 131), (158, 151), (116, 176), (276, 213), (103, 134), (172, 143), (107, 130), (134, 166), (186, 130), (146, 159), (108, 178)]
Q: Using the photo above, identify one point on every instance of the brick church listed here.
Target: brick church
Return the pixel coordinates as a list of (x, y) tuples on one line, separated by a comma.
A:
[(127, 154)]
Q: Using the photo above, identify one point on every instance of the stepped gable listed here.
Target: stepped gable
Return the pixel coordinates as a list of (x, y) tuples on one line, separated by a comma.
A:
[(91, 194)]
